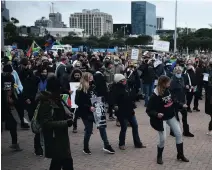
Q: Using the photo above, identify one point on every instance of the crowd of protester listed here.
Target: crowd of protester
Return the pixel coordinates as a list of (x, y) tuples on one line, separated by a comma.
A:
[(35, 84)]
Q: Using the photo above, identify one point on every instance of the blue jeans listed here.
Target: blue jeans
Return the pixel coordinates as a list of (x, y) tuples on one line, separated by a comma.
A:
[(175, 127), (148, 89), (88, 132), (133, 122)]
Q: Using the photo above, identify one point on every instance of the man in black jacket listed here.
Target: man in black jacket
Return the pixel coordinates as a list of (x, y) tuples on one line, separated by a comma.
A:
[(177, 89), (148, 77)]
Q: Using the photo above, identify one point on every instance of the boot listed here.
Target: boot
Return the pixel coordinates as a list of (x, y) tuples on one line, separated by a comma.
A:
[(172, 133), (180, 154), (159, 156), (186, 131), (16, 147)]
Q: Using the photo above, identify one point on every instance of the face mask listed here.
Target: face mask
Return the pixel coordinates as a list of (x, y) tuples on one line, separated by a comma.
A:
[(178, 75), (116, 62)]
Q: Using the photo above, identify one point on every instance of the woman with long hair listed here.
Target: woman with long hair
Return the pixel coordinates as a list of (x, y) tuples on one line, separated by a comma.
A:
[(161, 110), (85, 110)]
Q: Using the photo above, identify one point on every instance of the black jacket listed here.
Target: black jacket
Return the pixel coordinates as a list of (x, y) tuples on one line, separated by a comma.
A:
[(123, 99), (161, 104), (147, 73), (83, 101), (177, 89), (190, 73), (53, 119)]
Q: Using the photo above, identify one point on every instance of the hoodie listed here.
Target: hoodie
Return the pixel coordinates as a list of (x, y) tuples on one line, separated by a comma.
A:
[(160, 104)]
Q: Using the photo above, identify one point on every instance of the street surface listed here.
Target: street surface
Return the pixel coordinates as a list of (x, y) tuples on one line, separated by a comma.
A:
[(198, 149)]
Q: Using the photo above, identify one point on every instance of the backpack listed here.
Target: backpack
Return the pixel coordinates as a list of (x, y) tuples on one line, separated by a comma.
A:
[(35, 125)]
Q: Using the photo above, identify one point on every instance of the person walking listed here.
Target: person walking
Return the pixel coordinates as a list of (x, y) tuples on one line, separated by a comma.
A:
[(177, 89), (83, 100), (55, 120), (161, 110), (208, 100), (124, 107)]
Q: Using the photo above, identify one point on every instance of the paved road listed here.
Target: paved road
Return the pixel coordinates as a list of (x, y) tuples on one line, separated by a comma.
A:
[(198, 149)]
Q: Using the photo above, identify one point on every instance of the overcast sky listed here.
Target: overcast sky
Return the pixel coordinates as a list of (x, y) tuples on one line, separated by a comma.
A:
[(191, 13)]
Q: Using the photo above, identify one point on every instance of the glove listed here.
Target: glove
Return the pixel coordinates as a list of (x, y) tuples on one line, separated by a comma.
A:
[(69, 122)]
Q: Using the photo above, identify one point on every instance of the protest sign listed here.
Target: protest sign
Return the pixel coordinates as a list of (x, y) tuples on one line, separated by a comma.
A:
[(99, 114), (161, 45), (134, 54), (73, 87)]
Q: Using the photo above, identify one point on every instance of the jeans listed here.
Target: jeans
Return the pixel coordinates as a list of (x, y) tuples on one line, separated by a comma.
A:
[(148, 89), (88, 132), (175, 126), (133, 122), (65, 164)]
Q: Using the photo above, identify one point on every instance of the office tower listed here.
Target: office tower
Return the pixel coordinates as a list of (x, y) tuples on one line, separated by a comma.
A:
[(143, 18), (93, 22), (160, 23)]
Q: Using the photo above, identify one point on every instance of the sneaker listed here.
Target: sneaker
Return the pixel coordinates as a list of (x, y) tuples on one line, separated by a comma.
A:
[(87, 151), (109, 149), (122, 147), (112, 118), (16, 147), (196, 109), (209, 133), (74, 130), (25, 126)]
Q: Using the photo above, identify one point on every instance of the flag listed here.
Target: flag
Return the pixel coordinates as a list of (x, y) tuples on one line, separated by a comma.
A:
[(33, 48)]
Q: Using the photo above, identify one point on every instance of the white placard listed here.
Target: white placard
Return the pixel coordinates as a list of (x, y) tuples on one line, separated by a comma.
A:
[(73, 87), (161, 45), (206, 76), (134, 54)]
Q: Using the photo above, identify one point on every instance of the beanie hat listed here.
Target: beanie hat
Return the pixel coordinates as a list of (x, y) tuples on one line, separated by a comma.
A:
[(118, 77), (8, 68)]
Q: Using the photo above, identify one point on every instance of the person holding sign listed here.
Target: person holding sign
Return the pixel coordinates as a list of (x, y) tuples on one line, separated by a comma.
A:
[(86, 110)]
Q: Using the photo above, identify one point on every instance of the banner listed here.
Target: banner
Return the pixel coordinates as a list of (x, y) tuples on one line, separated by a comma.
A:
[(73, 87), (99, 114), (134, 54), (161, 45)]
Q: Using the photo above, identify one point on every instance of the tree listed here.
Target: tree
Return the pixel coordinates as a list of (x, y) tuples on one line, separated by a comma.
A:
[(14, 20)]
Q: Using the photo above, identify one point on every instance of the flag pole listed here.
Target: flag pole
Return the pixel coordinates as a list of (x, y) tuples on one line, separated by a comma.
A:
[(175, 31)]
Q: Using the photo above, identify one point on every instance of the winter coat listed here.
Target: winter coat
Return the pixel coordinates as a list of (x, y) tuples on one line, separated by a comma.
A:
[(83, 101), (177, 89), (123, 99), (109, 75), (53, 119), (118, 69), (147, 73), (190, 82)]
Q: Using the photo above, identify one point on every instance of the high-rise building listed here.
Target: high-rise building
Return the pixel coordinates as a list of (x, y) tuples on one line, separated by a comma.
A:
[(143, 18), (43, 22), (4, 11), (160, 23), (93, 22), (56, 19)]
